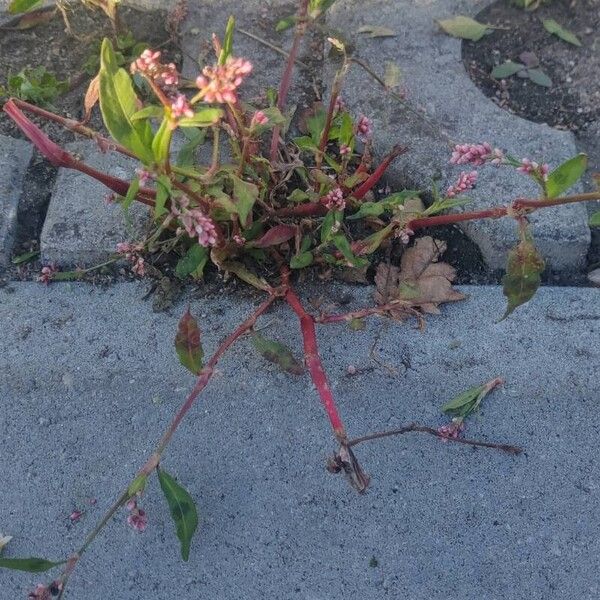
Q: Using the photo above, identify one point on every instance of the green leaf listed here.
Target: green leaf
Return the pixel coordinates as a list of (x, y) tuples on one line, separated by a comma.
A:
[(506, 69), (357, 324), (25, 257), (118, 103), (277, 353), (21, 6), (302, 260), (298, 195), (195, 137), (343, 245), (566, 175), (371, 243), (203, 118), (187, 343), (193, 263), (183, 510), (595, 220), (463, 401), (31, 564), (238, 269), (539, 77), (132, 190), (163, 193), (368, 209), (306, 143), (331, 224), (523, 274), (555, 28), (464, 28), (162, 141), (245, 195), (286, 23), (227, 41), (376, 31), (152, 111)]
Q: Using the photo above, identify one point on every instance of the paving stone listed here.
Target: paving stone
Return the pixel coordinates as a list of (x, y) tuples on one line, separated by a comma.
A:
[(80, 227), (259, 17), (89, 378), (436, 81), (15, 156)]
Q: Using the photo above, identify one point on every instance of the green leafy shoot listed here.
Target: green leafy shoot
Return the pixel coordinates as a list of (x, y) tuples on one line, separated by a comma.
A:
[(469, 401), (183, 510)]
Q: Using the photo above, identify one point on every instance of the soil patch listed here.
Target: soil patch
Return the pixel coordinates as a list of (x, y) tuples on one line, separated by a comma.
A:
[(66, 56), (574, 98)]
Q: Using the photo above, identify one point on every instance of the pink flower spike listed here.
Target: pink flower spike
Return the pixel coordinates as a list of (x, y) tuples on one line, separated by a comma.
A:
[(452, 429), (138, 520), (466, 181), (47, 273), (364, 128), (180, 107), (139, 267), (334, 200), (219, 83), (345, 150), (474, 154), (259, 118)]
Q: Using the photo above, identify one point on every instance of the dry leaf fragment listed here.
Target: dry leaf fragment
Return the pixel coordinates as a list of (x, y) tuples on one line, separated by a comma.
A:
[(375, 31), (4, 539), (420, 281), (91, 97)]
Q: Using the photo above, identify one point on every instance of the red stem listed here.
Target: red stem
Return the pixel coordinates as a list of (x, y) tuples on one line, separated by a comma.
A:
[(377, 174), (313, 362), (308, 209), (286, 79)]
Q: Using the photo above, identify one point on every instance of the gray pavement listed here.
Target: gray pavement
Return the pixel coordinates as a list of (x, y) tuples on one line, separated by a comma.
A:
[(89, 378)]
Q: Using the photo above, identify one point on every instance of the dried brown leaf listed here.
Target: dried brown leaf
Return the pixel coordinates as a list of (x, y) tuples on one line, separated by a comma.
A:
[(91, 97), (420, 281)]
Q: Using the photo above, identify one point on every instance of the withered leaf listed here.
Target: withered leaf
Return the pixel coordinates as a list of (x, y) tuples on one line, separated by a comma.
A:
[(420, 282)]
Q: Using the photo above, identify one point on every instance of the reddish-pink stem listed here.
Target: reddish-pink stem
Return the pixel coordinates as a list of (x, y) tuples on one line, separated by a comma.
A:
[(377, 174), (286, 79), (314, 365)]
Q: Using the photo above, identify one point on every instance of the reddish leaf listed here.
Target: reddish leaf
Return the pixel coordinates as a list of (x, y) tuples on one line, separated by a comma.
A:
[(275, 236), (187, 343), (277, 353)]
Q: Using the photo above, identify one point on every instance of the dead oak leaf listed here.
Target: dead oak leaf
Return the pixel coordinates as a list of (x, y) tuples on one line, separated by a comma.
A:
[(419, 282)]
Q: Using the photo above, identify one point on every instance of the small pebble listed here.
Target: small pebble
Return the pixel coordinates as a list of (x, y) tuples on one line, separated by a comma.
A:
[(594, 277)]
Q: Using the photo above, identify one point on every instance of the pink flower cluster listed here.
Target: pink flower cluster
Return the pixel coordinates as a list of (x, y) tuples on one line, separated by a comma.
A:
[(195, 222), (45, 592), (404, 235), (132, 253), (466, 181), (259, 118), (334, 200), (530, 167), (149, 65), (219, 83), (137, 518), (144, 176), (180, 107), (364, 128), (345, 150), (452, 429), (47, 273), (476, 154)]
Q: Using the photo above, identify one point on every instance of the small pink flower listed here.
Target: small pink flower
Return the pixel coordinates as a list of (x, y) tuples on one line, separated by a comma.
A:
[(147, 62), (345, 150), (124, 248), (497, 157), (137, 518), (259, 118), (474, 154), (339, 105), (41, 592), (180, 107), (149, 65), (110, 198), (47, 273), (139, 267), (219, 83), (195, 222), (75, 516), (334, 200), (530, 167), (144, 176), (466, 181), (452, 429), (364, 128), (240, 240)]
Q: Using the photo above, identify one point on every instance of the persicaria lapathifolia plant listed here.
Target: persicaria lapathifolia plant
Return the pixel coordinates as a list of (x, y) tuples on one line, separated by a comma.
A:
[(275, 208)]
